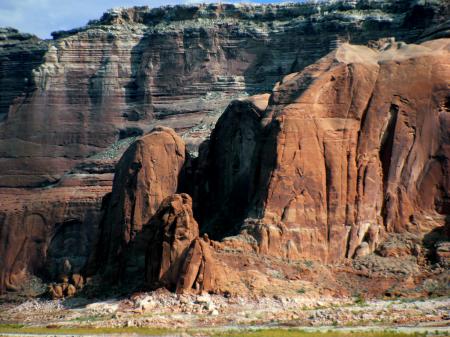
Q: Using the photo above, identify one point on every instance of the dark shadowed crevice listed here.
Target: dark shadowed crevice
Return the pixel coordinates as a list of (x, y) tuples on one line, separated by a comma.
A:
[(68, 250), (387, 143), (328, 198), (385, 154)]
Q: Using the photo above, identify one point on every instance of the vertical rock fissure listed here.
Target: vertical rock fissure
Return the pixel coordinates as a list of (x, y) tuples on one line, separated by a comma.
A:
[(385, 154), (328, 197)]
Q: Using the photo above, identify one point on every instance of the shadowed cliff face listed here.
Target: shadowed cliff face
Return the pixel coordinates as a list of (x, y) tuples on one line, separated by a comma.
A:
[(47, 233), (175, 66)]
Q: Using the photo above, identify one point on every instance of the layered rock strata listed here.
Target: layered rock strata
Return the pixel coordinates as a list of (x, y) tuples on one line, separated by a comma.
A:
[(72, 97), (351, 148)]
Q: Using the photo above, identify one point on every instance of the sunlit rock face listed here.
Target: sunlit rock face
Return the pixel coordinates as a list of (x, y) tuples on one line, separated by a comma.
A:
[(366, 163), (146, 175), (351, 148), (72, 97)]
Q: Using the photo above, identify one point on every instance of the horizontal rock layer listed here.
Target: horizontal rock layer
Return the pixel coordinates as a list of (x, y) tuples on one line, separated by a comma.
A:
[(70, 98)]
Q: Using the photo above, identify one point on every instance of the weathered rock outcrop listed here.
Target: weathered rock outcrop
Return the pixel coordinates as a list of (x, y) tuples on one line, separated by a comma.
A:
[(201, 271), (353, 146), (350, 148), (146, 174), (173, 228), (177, 258), (230, 165), (47, 232), (67, 99)]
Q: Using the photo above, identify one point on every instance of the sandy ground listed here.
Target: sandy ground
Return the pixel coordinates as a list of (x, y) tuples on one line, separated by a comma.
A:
[(203, 312)]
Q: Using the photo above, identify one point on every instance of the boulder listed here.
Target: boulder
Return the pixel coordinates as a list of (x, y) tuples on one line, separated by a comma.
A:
[(362, 250), (70, 290), (443, 253), (78, 281), (55, 292), (173, 229), (200, 269), (146, 174), (61, 290)]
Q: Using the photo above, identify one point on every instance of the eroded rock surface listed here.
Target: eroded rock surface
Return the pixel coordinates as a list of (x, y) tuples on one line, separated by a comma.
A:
[(70, 98), (177, 258), (201, 271), (146, 174), (354, 146), (350, 149), (173, 230), (47, 232)]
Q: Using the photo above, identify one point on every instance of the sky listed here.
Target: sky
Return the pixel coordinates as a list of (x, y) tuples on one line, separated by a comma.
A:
[(41, 17)]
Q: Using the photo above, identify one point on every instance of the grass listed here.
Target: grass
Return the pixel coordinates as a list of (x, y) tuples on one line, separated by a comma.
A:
[(9, 328), (360, 300), (91, 318), (16, 328), (301, 333)]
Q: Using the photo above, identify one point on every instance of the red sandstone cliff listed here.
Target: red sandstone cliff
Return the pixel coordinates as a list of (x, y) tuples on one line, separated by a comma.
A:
[(75, 96), (343, 153), (354, 146)]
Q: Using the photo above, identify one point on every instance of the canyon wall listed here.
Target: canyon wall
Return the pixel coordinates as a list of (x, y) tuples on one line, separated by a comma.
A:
[(341, 155), (51, 233), (72, 97), (71, 106), (352, 147)]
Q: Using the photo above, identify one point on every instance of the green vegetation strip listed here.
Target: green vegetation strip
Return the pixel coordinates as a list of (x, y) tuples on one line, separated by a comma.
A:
[(52, 330), (300, 333)]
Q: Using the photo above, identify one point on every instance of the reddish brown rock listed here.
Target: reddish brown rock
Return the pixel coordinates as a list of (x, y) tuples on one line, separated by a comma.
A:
[(173, 228), (201, 272), (77, 280), (65, 99), (177, 258), (400, 245), (230, 165), (354, 146), (58, 291), (47, 232), (146, 174)]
